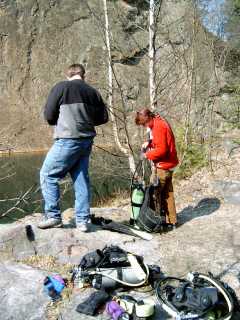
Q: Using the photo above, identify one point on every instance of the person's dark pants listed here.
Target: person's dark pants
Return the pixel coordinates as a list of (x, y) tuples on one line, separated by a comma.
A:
[(165, 195)]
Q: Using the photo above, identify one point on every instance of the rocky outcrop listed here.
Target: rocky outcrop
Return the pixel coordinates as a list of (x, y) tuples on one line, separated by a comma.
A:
[(207, 240), (66, 244), (38, 39), (21, 293), (230, 190)]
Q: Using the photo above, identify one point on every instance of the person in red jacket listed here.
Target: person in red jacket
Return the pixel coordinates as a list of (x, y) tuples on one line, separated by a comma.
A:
[(161, 150)]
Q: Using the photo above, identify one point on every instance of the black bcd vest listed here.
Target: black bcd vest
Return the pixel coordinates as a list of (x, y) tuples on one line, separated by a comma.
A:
[(149, 219)]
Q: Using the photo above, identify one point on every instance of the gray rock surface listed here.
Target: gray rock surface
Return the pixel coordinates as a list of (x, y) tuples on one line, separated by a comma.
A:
[(39, 36), (230, 190), (230, 146), (67, 244), (21, 293), (14, 243), (207, 240)]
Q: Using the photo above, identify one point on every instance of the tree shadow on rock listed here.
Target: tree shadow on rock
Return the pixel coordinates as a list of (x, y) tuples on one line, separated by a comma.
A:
[(204, 207)]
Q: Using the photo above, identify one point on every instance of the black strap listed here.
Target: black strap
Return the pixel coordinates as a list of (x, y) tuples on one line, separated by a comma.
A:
[(180, 291), (136, 204)]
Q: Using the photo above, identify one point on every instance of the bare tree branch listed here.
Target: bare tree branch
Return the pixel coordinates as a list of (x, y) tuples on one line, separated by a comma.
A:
[(23, 198)]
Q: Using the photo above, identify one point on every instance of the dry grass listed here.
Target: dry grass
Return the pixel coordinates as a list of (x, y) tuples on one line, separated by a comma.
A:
[(117, 199), (47, 263)]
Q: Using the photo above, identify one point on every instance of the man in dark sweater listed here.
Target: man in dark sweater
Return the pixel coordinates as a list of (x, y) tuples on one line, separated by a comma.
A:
[(74, 108)]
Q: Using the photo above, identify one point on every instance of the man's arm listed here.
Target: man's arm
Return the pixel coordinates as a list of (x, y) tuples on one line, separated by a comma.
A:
[(161, 146), (51, 110)]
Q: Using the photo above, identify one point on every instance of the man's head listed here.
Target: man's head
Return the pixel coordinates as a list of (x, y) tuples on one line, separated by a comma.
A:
[(75, 70), (144, 117)]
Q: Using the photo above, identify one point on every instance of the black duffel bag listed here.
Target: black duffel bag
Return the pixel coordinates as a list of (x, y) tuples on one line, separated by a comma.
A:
[(149, 219)]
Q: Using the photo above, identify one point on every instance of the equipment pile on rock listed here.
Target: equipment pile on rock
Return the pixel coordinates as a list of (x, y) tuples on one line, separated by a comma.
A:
[(113, 271)]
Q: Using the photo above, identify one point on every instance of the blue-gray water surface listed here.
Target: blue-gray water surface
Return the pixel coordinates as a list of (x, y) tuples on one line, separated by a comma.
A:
[(19, 174)]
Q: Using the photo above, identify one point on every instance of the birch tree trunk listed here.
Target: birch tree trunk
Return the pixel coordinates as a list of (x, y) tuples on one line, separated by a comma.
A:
[(191, 82), (126, 150), (152, 54)]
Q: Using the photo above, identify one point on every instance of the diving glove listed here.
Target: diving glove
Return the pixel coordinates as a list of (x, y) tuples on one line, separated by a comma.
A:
[(92, 303)]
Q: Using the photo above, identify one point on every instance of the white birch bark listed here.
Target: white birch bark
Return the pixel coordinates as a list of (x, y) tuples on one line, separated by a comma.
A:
[(123, 149), (152, 55), (191, 82)]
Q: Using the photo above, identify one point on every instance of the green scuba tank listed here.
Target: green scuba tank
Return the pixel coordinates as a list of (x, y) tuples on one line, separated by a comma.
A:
[(136, 201)]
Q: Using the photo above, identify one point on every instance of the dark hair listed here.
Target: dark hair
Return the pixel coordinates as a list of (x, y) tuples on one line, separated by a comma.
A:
[(76, 69), (143, 116)]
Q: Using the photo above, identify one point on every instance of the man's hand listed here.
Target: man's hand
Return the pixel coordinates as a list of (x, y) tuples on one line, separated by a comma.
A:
[(142, 156), (144, 146)]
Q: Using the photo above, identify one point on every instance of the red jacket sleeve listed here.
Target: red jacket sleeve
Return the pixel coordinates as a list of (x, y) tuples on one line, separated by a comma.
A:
[(159, 143)]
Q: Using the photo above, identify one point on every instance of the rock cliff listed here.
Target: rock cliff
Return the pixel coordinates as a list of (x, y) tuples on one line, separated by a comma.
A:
[(40, 38)]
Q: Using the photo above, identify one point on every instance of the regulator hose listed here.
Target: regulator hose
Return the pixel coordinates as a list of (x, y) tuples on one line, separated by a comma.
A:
[(170, 308), (139, 166)]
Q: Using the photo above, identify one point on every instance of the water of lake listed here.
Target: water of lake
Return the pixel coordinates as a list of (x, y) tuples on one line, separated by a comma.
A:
[(109, 175)]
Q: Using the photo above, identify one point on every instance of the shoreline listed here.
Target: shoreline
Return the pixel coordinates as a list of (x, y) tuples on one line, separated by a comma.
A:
[(12, 152), (8, 152)]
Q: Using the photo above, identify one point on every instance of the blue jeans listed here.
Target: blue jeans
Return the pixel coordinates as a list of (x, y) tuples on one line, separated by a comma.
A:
[(67, 156)]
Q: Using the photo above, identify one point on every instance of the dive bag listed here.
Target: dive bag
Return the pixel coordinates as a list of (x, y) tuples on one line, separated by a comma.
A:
[(149, 219), (145, 214), (110, 268), (201, 297)]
